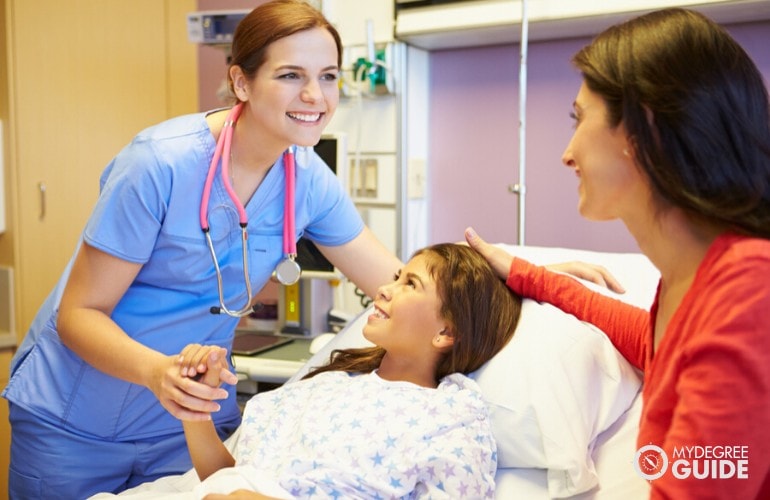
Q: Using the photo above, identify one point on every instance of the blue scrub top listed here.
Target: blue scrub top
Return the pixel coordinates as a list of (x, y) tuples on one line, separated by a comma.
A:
[(148, 213)]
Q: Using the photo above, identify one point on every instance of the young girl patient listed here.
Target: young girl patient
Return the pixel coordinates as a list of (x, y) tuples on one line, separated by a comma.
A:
[(394, 420)]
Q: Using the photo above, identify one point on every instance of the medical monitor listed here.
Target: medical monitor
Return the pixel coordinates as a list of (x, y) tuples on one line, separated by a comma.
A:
[(332, 148)]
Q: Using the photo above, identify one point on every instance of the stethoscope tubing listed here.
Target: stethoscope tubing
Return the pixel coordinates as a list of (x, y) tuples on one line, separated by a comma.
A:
[(222, 153), (224, 143)]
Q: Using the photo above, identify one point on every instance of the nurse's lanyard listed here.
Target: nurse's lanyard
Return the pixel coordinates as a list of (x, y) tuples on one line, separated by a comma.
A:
[(288, 271)]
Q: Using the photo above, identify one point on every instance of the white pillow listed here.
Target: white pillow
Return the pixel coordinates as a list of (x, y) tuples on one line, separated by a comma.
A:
[(560, 382), (551, 391)]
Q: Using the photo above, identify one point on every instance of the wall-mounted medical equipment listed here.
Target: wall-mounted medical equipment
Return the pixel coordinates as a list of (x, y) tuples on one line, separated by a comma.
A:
[(215, 27), (369, 73)]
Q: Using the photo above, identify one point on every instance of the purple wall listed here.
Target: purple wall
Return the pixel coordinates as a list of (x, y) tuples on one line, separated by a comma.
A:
[(474, 140)]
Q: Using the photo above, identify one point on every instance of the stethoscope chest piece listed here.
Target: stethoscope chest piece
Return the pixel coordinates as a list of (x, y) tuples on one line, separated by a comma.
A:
[(287, 272)]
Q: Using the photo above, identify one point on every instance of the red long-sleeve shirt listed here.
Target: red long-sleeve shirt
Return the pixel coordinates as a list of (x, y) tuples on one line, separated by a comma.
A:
[(708, 383)]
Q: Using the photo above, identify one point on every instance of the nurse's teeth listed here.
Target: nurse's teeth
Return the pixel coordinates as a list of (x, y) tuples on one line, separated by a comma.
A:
[(305, 118)]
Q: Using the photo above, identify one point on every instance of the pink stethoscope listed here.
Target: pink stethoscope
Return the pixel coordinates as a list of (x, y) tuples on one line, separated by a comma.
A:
[(288, 270)]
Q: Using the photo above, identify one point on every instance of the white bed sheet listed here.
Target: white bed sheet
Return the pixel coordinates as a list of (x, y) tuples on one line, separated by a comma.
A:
[(613, 450)]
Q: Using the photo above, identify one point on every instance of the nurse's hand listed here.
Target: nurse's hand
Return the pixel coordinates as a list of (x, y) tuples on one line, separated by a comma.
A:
[(183, 397), (206, 364), (500, 260)]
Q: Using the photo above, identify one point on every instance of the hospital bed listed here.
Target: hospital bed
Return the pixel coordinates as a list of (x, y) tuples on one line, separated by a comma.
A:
[(564, 404)]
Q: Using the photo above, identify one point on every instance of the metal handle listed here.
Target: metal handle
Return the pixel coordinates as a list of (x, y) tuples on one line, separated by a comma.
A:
[(41, 187)]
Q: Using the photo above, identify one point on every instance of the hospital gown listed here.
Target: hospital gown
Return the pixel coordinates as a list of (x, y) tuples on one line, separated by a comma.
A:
[(342, 436)]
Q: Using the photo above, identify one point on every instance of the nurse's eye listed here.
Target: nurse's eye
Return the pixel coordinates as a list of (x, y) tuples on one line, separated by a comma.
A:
[(289, 76), (330, 77)]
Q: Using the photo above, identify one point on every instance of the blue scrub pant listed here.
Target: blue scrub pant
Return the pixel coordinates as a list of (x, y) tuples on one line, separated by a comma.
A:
[(50, 462)]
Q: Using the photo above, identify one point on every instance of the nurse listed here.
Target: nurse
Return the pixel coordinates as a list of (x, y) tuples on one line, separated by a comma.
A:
[(96, 394)]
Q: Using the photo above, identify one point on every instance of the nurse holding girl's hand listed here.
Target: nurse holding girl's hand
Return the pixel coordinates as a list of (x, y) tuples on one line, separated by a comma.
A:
[(193, 214)]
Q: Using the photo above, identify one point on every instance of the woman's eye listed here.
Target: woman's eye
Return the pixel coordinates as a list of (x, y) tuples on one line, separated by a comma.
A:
[(289, 76), (330, 77), (574, 118)]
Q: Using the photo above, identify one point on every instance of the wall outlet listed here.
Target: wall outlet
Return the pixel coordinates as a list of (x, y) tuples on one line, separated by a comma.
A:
[(416, 179), (364, 177)]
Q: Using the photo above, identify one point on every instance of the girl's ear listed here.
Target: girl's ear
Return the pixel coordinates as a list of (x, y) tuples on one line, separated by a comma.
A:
[(444, 340)]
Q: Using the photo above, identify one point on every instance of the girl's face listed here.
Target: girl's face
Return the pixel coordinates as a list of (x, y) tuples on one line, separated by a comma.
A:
[(406, 316), (294, 94), (602, 158)]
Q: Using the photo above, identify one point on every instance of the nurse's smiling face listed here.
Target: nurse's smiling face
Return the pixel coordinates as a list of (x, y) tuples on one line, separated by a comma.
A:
[(294, 93), (610, 184)]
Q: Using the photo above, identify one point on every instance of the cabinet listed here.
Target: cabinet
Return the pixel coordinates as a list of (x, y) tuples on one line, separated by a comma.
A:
[(5, 430), (451, 24), (78, 80)]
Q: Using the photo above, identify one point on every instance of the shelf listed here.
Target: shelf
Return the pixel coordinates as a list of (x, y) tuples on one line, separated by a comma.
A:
[(495, 22)]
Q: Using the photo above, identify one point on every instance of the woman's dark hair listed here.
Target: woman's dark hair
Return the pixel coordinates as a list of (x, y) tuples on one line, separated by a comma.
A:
[(481, 310), (696, 111), (269, 22)]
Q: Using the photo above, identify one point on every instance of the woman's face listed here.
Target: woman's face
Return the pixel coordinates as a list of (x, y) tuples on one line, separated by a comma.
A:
[(406, 315), (294, 94), (602, 158)]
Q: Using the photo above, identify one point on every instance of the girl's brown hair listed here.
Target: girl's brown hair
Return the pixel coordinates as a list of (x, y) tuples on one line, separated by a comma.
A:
[(481, 310)]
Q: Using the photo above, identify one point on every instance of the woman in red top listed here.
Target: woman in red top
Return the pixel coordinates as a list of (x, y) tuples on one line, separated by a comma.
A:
[(672, 136)]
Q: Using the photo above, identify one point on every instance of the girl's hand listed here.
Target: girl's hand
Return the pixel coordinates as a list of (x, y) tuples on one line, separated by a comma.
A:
[(207, 364), (192, 359)]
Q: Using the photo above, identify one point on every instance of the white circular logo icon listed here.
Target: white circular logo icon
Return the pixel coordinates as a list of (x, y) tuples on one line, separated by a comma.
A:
[(650, 462)]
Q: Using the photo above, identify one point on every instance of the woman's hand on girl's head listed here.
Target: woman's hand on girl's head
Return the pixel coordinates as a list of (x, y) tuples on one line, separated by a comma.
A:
[(499, 259)]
